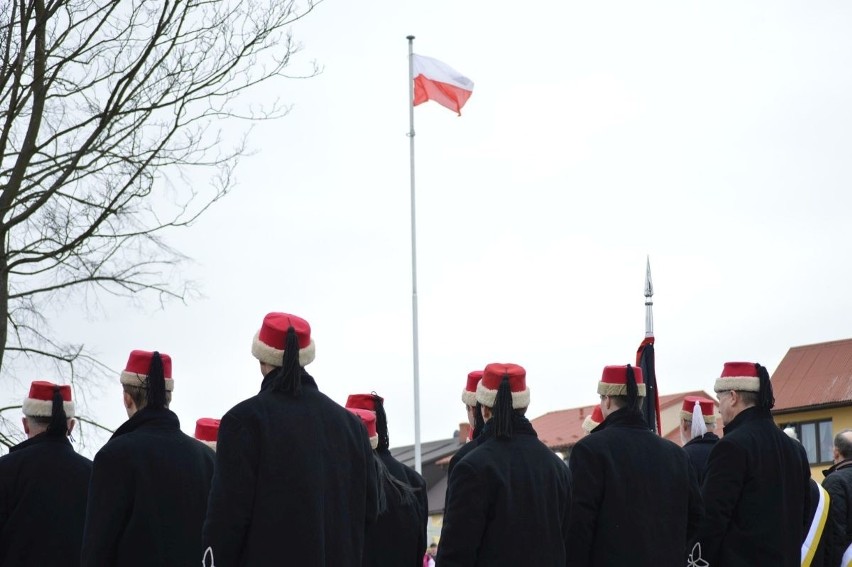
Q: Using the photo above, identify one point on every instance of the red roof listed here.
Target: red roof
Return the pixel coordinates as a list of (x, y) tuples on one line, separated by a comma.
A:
[(563, 428), (814, 375)]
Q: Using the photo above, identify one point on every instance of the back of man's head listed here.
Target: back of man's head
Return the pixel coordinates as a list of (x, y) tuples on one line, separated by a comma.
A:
[(843, 443)]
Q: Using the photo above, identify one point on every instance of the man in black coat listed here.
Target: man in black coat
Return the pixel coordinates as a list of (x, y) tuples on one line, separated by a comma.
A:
[(398, 537), (756, 489), (509, 498), (636, 498), (474, 419), (150, 482), (697, 425), (43, 485), (295, 480), (838, 483)]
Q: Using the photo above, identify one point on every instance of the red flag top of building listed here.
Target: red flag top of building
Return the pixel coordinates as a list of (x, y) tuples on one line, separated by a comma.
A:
[(437, 81)]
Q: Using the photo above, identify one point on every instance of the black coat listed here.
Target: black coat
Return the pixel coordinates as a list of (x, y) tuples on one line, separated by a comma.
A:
[(698, 451), (43, 487), (636, 498), (838, 484), (148, 495), (467, 448), (295, 482), (398, 538), (508, 505), (756, 495)]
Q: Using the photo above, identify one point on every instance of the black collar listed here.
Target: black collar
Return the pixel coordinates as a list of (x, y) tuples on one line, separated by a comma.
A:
[(148, 417), (753, 413), (39, 439), (844, 464), (624, 417), (269, 380)]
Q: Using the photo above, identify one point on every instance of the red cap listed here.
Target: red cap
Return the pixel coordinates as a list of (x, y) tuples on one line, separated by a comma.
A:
[(740, 376), (593, 420), (136, 370), (492, 377), (207, 429), (614, 381), (707, 407), (469, 392), (268, 343), (39, 402), (362, 401), (368, 418)]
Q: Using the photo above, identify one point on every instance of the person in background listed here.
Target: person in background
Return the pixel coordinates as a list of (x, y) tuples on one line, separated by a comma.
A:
[(44, 485), (697, 431), (295, 480), (399, 534), (150, 482), (757, 485), (838, 484), (592, 421), (509, 498), (474, 419), (630, 486)]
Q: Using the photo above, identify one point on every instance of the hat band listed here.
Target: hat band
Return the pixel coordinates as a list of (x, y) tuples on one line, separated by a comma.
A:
[(44, 408), (688, 417), (211, 444), (738, 383), (607, 389), (275, 357), (469, 398), (374, 441), (589, 424), (487, 397), (141, 380)]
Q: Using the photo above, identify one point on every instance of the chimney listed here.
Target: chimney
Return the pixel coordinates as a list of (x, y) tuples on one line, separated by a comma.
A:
[(464, 432)]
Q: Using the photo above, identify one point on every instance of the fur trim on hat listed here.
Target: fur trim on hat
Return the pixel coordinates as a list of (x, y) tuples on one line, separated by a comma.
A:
[(374, 441), (211, 444), (275, 357), (44, 408), (469, 398), (589, 424), (140, 380), (487, 397), (605, 389), (708, 419), (738, 383)]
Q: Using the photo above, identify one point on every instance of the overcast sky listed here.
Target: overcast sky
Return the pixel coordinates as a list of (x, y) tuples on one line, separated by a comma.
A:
[(712, 137)]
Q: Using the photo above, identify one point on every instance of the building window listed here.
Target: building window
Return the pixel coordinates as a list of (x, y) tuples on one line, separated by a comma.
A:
[(817, 440)]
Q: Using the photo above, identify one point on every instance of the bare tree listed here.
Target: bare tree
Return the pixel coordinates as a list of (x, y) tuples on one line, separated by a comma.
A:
[(105, 105)]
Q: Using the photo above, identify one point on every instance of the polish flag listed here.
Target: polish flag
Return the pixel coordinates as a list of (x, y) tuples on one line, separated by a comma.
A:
[(435, 80)]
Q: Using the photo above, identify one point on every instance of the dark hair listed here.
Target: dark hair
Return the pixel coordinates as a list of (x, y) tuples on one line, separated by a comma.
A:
[(843, 443), (156, 391), (478, 421), (58, 425), (289, 377), (387, 484), (503, 410), (381, 423), (765, 397)]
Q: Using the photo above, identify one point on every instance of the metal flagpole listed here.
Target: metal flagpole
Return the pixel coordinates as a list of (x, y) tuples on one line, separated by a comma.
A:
[(417, 457)]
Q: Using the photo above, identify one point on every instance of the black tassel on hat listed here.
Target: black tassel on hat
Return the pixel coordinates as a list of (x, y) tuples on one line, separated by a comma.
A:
[(58, 420), (381, 423), (765, 396), (289, 379), (478, 421), (156, 392), (632, 389), (502, 410)]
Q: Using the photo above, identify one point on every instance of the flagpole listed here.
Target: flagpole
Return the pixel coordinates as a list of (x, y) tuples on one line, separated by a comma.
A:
[(417, 457)]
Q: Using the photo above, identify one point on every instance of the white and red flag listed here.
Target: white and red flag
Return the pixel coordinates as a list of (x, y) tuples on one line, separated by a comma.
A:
[(435, 80)]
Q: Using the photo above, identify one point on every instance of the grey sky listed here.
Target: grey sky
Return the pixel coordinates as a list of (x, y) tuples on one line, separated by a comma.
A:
[(713, 137)]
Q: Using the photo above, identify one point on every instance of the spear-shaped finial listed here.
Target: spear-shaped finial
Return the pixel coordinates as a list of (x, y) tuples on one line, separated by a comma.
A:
[(649, 302)]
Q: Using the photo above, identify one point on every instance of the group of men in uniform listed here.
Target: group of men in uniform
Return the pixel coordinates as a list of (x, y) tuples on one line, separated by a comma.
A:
[(293, 478)]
